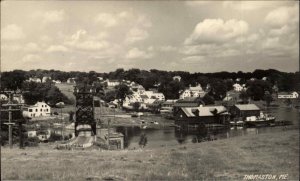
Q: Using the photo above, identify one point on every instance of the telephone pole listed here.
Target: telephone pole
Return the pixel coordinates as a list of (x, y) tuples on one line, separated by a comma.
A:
[(10, 109)]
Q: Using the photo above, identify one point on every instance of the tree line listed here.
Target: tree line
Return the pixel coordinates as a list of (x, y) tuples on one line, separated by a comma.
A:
[(217, 84)]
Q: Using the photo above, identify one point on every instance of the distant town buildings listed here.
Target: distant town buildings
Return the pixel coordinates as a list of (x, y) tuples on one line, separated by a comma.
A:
[(284, 95), (178, 78), (71, 81), (40, 109), (196, 91), (237, 87)]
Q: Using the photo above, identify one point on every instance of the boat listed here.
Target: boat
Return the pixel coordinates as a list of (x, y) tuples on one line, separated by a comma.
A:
[(262, 120)]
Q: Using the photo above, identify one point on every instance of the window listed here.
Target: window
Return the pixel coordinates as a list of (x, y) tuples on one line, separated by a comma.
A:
[(42, 105), (30, 110), (41, 110), (36, 110)]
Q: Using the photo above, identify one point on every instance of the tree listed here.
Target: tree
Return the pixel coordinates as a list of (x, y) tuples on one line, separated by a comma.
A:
[(143, 140), (208, 100), (268, 98), (218, 89), (122, 91), (136, 106), (244, 96)]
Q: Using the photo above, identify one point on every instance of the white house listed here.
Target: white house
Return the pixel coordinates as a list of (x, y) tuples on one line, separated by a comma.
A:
[(100, 78), (40, 109), (71, 81), (112, 83), (196, 91), (44, 79), (3, 97), (56, 81), (178, 78), (293, 95), (237, 87), (34, 79)]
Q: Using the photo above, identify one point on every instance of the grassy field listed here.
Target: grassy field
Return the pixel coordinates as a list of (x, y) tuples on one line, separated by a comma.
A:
[(230, 159), (67, 89)]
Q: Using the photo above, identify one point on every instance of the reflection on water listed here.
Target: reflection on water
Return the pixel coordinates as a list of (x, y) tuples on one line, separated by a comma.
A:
[(177, 135)]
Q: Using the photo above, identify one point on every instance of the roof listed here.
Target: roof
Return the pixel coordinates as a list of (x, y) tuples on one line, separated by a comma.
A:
[(247, 107), (204, 111), (186, 104), (144, 96)]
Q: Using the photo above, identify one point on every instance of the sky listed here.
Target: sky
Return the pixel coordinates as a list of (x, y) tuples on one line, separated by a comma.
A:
[(194, 36)]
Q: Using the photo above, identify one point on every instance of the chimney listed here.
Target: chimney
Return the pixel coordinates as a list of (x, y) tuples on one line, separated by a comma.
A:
[(195, 112)]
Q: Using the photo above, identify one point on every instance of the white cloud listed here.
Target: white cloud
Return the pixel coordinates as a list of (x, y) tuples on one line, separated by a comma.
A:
[(12, 32), (57, 48), (135, 53), (31, 47), (6, 47), (251, 5), (216, 30), (82, 41), (283, 16), (108, 20), (143, 21), (168, 48), (54, 16), (136, 34), (193, 59), (45, 38), (31, 58)]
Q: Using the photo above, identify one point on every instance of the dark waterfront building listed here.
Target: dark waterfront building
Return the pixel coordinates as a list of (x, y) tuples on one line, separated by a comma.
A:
[(245, 110), (187, 102), (202, 115)]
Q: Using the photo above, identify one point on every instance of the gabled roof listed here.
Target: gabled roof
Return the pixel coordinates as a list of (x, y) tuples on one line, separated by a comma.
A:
[(247, 107), (204, 111), (144, 96)]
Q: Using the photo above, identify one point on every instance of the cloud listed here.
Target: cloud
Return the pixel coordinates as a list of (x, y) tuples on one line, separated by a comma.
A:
[(53, 16), (143, 21), (193, 59), (12, 32), (283, 16), (251, 5), (168, 48), (31, 47), (108, 20), (31, 58), (57, 48), (135, 53), (6, 47), (216, 31), (136, 34), (82, 41)]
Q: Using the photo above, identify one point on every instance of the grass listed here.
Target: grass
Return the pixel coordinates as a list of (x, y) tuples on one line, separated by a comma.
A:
[(229, 159), (67, 89)]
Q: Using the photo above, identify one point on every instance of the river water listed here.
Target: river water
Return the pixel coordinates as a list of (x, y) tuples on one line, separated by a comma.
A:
[(173, 136)]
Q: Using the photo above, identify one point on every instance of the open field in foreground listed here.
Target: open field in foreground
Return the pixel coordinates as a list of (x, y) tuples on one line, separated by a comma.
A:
[(229, 159)]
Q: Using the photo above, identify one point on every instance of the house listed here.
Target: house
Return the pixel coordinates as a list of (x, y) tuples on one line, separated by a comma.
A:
[(178, 78), (56, 81), (167, 106), (112, 83), (100, 78), (35, 79), (196, 91), (202, 115), (19, 98), (284, 95), (40, 109), (46, 78), (237, 87), (187, 102), (3, 97), (71, 81), (245, 110)]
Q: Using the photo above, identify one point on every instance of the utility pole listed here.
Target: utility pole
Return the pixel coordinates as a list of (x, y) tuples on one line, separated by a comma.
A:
[(108, 131), (10, 110)]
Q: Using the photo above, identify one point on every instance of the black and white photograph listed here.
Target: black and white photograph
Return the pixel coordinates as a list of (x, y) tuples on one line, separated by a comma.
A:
[(154, 90)]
